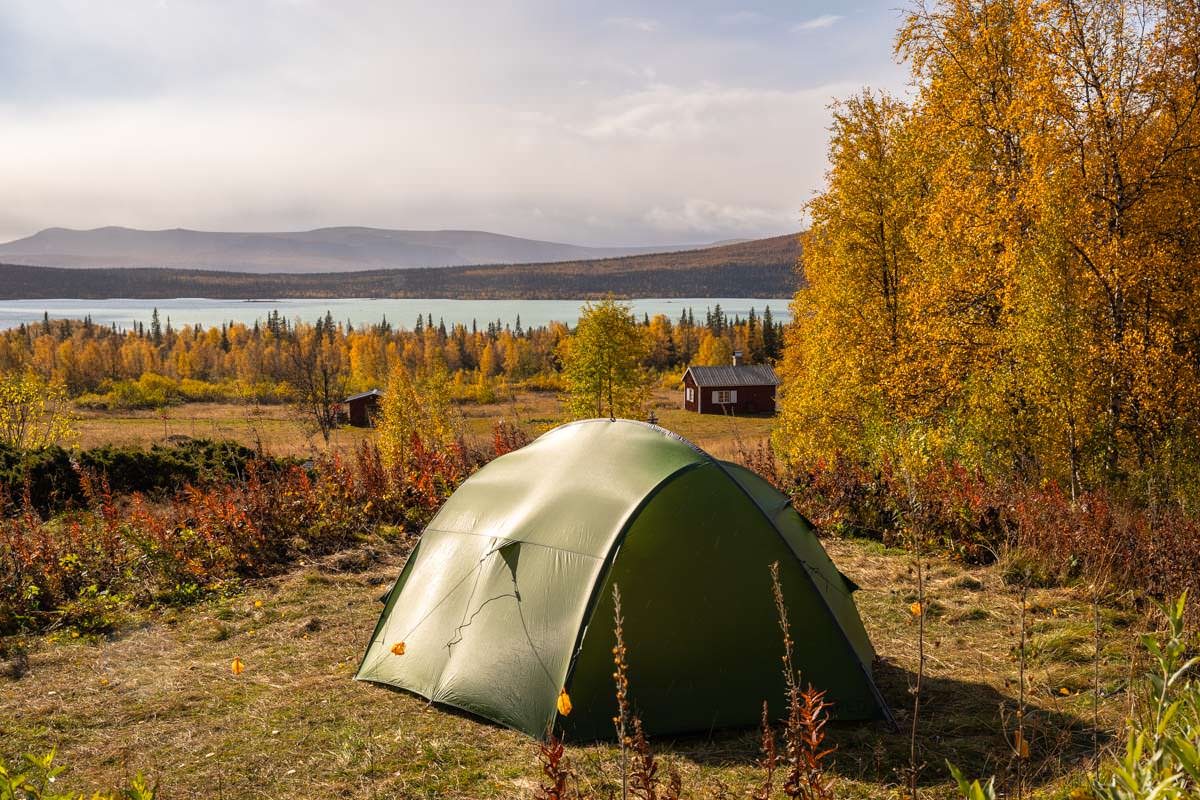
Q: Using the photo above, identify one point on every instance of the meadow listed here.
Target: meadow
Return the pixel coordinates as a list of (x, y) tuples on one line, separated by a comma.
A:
[(152, 690), (282, 432), (160, 697)]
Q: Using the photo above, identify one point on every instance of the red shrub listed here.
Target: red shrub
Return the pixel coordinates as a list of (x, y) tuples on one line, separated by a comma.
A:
[(507, 437), (1048, 535), (207, 535)]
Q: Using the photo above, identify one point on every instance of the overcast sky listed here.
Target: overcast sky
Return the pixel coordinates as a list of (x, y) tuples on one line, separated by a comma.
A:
[(595, 123)]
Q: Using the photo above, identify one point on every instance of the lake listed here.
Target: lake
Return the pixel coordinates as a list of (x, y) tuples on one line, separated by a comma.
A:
[(400, 312)]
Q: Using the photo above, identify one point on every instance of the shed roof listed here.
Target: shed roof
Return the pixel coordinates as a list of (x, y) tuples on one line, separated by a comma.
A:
[(361, 395), (743, 375)]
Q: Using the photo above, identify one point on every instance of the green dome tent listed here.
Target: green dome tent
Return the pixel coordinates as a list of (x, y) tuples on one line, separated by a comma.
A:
[(507, 598)]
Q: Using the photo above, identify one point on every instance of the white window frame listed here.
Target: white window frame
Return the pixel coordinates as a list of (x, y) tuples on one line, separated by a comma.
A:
[(691, 394), (724, 397)]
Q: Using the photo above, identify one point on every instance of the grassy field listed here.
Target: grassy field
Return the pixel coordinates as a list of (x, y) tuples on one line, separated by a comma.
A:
[(159, 696), (283, 432), (278, 428)]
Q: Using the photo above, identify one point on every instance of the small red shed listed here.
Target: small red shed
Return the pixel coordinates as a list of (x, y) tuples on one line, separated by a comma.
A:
[(735, 389), (363, 408)]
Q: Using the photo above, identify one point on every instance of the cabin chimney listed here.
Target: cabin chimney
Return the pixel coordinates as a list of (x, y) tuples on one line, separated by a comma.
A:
[(737, 358)]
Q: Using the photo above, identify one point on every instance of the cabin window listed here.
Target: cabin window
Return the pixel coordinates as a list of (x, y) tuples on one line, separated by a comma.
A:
[(724, 396), (691, 394)]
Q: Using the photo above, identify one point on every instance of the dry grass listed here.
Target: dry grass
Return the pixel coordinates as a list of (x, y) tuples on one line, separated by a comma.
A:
[(276, 427), (282, 433), (162, 698)]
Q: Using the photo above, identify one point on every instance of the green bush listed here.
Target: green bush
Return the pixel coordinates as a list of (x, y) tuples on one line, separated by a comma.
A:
[(36, 779), (55, 483), (93, 611), (1162, 750), (152, 390)]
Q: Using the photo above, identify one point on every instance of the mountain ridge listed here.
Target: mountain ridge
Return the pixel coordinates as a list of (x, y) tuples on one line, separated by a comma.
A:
[(344, 248), (758, 268)]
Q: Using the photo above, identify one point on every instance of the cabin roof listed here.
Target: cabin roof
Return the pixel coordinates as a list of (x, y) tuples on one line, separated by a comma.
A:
[(743, 375), (364, 395)]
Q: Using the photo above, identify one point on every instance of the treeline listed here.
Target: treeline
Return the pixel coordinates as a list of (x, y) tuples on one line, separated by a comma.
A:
[(1005, 270), (155, 364), (760, 268)]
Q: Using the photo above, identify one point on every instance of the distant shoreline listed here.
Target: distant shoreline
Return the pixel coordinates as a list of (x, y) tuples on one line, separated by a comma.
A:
[(124, 313), (765, 268)]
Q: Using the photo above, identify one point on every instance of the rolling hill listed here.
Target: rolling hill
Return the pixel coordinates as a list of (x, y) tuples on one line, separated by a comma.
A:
[(758, 268), (321, 250)]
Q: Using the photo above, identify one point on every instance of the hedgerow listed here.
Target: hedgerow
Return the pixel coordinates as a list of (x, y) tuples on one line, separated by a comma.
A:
[(49, 478)]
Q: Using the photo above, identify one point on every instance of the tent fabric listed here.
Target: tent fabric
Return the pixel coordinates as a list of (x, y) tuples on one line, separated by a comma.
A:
[(507, 598)]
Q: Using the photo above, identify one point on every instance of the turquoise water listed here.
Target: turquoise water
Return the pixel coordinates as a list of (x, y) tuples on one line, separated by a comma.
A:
[(401, 312)]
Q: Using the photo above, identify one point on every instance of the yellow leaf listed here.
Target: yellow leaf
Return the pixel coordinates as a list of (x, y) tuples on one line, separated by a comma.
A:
[(1022, 747), (398, 648), (916, 609), (1064, 691), (237, 667), (564, 703), (258, 603)]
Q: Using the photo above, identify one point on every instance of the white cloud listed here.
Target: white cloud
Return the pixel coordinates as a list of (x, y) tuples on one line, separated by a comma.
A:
[(665, 164), (698, 216), (741, 18), (642, 24), (817, 23), (676, 114), (284, 115)]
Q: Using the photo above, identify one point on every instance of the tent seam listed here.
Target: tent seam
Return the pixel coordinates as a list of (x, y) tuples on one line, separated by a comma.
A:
[(610, 559), (516, 541), (883, 705)]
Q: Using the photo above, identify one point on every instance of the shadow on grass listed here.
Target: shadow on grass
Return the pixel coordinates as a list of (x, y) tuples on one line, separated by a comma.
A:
[(960, 721), (970, 724)]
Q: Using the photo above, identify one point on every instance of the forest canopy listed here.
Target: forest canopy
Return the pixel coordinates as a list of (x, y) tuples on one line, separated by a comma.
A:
[(1005, 269), (149, 366)]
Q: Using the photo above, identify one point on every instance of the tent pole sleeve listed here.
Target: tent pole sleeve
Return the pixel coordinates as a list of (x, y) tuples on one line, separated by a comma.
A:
[(606, 567), (883, 704)]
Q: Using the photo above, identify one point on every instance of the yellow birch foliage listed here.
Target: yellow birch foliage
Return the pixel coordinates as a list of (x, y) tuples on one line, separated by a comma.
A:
[(714, 351), (843, 366), (34, 412), (1005, 271), (602, 363), (415, 411)]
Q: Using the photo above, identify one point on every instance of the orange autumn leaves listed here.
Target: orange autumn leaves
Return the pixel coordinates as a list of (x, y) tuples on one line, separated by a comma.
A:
[(1020, 745), (398, 649), (1000, 273)]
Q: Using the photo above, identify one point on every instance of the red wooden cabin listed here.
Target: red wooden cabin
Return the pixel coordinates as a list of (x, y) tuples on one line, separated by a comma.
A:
[(736, 389), (363, 408)]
